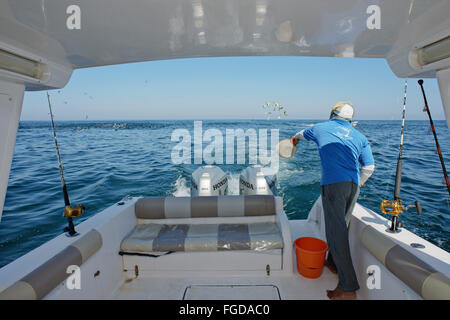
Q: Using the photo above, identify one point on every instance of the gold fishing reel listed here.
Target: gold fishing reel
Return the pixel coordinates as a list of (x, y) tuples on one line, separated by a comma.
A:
[(393, 207), (73, 212)]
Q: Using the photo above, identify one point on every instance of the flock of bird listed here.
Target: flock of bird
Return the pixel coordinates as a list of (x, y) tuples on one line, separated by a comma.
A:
[(274, 109), (271, 108)]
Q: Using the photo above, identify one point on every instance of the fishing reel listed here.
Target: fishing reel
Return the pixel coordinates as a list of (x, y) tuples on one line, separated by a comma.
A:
[(395, 208), (74, 212)]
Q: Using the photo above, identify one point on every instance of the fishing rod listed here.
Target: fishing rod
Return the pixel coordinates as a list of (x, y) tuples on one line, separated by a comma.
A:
[(398, 173), (447, 182), (69, 211), (395, 207)]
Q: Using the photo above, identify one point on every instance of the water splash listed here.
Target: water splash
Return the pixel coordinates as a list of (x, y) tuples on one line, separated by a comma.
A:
[(181, 187)]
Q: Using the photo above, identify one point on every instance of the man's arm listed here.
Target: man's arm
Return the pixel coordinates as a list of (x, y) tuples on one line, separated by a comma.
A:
[(366, 172), (298, 136), (368, 164)]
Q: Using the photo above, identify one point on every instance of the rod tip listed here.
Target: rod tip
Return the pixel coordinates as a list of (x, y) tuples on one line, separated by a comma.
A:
[(420, 81)]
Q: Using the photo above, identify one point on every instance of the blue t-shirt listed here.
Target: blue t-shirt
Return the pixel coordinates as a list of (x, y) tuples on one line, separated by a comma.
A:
[(341, 149)]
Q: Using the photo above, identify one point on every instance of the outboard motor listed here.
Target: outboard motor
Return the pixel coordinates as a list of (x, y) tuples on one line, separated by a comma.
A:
[(257, 180), (209, 181)]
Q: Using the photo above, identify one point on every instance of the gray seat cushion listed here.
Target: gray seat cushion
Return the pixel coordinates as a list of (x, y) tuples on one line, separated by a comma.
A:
[(147, 238), (202, 207)]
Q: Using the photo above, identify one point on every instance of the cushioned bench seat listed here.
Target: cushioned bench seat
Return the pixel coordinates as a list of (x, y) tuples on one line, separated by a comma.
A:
[(152, 237), (217, 233)]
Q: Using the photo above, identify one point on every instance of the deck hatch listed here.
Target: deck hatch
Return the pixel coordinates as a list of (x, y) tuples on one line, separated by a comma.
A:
[(231, 292)]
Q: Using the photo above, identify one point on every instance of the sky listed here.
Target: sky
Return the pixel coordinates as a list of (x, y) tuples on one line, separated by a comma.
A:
[(235, 88)]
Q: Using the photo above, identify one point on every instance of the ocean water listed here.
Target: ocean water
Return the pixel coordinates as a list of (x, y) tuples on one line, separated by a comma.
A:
[(104, 161)]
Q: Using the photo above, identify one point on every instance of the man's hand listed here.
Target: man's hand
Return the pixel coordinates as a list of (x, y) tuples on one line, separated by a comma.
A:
[(294, 140)]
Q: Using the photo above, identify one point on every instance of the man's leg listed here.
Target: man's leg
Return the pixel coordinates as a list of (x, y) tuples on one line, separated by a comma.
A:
[(329, 263), (351, 203), (337, 199), (348, 215)]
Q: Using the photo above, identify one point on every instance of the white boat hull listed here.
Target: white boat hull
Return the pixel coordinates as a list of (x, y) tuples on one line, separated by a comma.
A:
[(104, 275)]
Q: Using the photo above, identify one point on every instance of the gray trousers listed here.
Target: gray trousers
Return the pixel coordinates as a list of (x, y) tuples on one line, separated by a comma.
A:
[(338, 201)]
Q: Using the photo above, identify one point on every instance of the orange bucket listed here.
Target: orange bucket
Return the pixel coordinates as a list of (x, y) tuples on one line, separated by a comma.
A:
[(310, 256), (311, 273)]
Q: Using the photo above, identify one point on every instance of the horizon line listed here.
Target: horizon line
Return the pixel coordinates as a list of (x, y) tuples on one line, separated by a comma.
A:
[(226, 119)]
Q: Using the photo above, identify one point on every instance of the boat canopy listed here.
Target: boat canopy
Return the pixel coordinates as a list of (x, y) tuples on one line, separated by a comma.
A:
[(64, 35)]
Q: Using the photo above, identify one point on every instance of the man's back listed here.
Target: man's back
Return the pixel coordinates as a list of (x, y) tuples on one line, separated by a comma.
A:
[(341, 149)]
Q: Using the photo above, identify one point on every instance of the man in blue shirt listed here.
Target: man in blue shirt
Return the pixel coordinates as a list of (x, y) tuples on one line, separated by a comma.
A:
[(342, 149)]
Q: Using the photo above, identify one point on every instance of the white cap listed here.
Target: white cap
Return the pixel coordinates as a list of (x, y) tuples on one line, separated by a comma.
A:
[(343, 110)]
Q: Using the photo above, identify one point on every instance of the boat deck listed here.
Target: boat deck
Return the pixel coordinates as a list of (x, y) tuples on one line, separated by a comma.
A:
[(294, 287), (212, 286)]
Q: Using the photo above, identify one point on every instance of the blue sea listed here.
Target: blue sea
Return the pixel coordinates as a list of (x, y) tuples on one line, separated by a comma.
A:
[(105, 161)]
